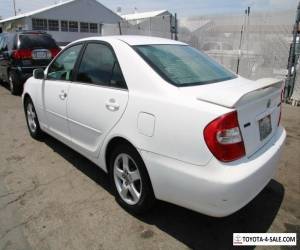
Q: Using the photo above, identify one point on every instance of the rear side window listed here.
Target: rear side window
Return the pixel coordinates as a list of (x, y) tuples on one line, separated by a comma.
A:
[(36, 41), (100, 67)]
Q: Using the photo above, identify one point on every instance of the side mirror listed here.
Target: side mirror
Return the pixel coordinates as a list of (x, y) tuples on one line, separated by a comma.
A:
[(38, 74)]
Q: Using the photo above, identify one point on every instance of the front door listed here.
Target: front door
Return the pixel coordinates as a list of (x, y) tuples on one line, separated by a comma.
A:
[(56, 91), (97, 99)]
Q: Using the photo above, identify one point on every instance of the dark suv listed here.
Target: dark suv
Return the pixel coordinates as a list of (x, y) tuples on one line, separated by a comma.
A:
[(21, 53)]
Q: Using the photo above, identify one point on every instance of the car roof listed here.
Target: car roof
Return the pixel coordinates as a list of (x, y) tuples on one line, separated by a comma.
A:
[(134, 40)]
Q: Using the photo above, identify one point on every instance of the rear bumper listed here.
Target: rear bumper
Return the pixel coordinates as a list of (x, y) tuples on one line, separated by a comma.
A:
[(217, 189)]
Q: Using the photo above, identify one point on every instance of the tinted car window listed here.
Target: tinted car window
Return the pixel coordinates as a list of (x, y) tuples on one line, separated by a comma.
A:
[(36, 41), (117, 79), (3, 43), (182, 65), (99, 66), (63, 67)]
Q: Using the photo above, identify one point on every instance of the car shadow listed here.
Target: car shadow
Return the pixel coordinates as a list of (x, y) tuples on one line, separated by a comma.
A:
[(193, 229), (199, 231), (78, 161), (6, 86)]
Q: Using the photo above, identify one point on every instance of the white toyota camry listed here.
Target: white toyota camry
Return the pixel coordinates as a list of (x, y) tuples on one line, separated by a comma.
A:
[(162, 119)]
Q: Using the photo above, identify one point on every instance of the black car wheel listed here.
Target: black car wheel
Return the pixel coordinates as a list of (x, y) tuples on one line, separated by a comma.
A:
[(32, 120), (15, 84)]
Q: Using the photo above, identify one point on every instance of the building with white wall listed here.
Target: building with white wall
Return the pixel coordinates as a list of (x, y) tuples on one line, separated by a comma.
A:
[(66, 21), (139, 17)]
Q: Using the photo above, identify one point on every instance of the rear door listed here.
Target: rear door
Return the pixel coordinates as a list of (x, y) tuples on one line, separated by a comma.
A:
[(98, 98), (55, 91)]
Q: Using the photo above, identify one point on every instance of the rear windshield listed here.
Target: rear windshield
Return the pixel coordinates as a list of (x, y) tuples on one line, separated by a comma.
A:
[(182, 65), (36, 41)]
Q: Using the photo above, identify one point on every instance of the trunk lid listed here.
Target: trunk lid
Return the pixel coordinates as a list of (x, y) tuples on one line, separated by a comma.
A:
[(257, 103)]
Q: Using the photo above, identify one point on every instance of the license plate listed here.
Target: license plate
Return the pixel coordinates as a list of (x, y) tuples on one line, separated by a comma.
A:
[(265, 127), (40, 55)]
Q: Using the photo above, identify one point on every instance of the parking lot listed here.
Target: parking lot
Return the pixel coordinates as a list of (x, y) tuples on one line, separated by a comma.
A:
[(53, 198)]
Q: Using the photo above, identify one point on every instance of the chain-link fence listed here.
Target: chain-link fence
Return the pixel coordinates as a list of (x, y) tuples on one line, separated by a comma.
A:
[(255, 45)]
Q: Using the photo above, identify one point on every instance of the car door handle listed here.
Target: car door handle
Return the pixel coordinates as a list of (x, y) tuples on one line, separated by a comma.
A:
[(63, 95), (112, 105)]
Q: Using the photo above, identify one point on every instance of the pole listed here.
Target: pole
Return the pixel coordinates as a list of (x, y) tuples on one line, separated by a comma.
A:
[(120, 30), (240, 45), (247, 31), (171, 27), (149, 26), (290, 81), (238, 61), (14, 3), (176, 27)]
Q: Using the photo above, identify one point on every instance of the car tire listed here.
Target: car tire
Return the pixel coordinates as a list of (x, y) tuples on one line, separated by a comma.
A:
[(14, 83), (32, 120), (130, 180)]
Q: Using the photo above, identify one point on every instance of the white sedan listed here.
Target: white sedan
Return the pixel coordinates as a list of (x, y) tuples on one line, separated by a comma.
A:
[(162, 119)]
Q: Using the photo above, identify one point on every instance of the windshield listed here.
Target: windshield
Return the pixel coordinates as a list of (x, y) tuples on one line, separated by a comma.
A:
[(182, 65)]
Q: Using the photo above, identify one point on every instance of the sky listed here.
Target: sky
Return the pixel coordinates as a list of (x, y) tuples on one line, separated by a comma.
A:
[(183, 8)]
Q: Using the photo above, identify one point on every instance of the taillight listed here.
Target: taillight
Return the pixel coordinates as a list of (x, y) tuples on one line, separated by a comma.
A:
[(21, 54), (224, 139), (54, 51)]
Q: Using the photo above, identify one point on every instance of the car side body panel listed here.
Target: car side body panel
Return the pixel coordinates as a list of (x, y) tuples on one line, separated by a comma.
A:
[(90, 116)]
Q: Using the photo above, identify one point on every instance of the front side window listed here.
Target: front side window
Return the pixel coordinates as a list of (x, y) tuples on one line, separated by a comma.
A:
[(182, 65), (63, 67), (100, 67)]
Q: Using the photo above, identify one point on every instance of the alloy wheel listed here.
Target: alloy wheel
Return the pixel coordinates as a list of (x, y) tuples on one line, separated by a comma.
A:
[(127, 179), (31, 117)]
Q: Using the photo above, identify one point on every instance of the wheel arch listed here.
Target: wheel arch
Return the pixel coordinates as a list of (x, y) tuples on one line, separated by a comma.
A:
[(113, 142), (26, 96)]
